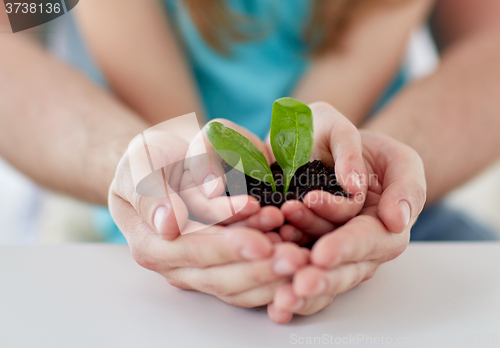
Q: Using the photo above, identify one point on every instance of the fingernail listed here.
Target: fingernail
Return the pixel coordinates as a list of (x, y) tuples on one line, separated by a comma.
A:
[(209, 184), (300, 303), (296, 235), (249, 254), (159, 217), (320, 288), (354, 178), (405, 210), (283, 267)]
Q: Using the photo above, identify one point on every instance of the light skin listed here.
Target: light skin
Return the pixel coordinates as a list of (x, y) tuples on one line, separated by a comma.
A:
[(467, 80), (351, 253), (237, 263)]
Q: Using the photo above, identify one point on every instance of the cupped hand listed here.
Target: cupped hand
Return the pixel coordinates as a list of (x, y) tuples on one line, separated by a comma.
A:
[(238, 264), (203, 187), (342, 259), (337, 143)]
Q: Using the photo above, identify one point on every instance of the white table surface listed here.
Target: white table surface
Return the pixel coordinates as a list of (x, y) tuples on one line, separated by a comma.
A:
[(434, 295)]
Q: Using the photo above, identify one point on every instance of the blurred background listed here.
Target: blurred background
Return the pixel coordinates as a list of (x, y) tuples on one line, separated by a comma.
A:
[(30, 214)]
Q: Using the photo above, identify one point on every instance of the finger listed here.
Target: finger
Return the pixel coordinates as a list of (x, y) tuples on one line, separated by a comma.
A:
[(166, 214), (255, 297), (292, 234), (223, 209), (313, 305), (267, 219), (286, 301), (362, 238), (274, 237), (169, 216), (205, 178), (297, 213), (314, 282), (231, 279), (214, 245), (278, 315), (205, 167), (404, 187), (334, 208), (344, 142)]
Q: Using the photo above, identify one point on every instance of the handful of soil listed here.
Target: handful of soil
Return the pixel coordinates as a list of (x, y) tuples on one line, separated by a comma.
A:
[(314, 175)]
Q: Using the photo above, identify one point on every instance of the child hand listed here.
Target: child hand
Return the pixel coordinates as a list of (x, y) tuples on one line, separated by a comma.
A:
[(337, 143), (203, 188)]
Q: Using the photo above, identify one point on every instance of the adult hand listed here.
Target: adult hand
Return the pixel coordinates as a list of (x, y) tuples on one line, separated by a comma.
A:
[(239, 265), (351, 254)]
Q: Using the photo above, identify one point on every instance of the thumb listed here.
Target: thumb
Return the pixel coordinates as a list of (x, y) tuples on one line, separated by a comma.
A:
[(146, 189), (205, 167)]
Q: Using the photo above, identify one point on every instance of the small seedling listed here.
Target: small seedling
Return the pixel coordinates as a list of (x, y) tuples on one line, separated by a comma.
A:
[(292, 138)]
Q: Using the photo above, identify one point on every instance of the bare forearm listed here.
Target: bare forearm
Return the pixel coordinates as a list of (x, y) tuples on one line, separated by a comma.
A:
[(145, 66), (353, 76), (452, 118), (57, 127)]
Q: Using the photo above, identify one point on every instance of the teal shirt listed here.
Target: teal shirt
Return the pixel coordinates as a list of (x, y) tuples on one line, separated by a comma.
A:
[(241, 86)]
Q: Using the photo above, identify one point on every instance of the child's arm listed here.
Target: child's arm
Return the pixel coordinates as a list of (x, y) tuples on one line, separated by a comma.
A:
[(137, 52)]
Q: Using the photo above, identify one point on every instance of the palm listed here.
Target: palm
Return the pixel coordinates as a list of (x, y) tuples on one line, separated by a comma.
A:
[(351, 254)]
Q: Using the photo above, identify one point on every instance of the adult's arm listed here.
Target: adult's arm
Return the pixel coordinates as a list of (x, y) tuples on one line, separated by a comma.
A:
[(139, 56), (55, 125), (452, 118), (352, 76)]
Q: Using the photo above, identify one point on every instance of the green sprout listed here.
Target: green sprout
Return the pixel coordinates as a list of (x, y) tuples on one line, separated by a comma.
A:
[(292, 138)]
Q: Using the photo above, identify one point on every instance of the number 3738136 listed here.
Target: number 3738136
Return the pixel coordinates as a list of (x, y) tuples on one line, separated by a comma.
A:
[(24, 7)]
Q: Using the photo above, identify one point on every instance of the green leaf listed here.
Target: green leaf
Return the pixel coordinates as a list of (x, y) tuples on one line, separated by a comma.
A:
[(292, 136), (232, 146)]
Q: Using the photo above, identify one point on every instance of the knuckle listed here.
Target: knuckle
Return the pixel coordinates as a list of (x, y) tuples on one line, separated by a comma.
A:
[(370, 274), (413, 155), (417, 197), (347, 127), (176, 282), (354, 157), (190, 257), (352, 279), (137, 202), (322, 106), (223, 292), (145, 260), (257, 276), (360, 273), (209, 284), (123, 165), (421, 196), (398, 250)]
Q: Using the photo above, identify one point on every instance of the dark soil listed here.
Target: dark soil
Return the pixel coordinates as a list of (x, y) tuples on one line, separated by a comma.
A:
[(314, 175)]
